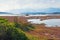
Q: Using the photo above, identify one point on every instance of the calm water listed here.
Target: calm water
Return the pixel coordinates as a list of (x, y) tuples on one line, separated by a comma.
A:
[(34, 21), (49, 22), (52, 22)]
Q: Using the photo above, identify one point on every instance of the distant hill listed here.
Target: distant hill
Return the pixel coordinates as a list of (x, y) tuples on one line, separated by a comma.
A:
[(52, 10), (36, 11), (5, 13)]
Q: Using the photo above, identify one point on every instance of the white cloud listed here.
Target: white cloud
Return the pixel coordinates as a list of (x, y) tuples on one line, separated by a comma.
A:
[(23, 4), (8, 5), (4, 7)]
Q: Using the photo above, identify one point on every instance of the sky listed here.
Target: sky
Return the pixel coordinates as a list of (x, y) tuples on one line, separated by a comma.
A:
[(6, 5)]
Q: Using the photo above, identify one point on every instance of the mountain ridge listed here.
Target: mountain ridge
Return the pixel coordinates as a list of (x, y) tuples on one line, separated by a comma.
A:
[(48, 10)]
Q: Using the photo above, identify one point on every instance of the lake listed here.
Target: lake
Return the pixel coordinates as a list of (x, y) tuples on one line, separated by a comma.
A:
[(49, 22)]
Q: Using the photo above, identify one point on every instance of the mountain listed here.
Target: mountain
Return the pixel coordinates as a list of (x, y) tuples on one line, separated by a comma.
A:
[(35, 11), (5, 13), (52, 10)]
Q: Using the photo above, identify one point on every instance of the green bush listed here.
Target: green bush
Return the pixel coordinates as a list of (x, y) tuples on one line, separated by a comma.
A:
[(8, 31), (15, 34), (24, 27)]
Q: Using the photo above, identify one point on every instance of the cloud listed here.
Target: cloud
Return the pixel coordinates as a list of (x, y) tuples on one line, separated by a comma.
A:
[(23, 4), (8, 5)]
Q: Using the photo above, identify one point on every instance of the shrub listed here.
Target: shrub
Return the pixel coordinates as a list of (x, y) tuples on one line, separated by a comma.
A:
[(25, 27), (8, 31)]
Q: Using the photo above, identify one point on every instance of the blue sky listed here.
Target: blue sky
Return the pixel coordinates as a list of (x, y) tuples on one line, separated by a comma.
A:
[(6, 5)]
